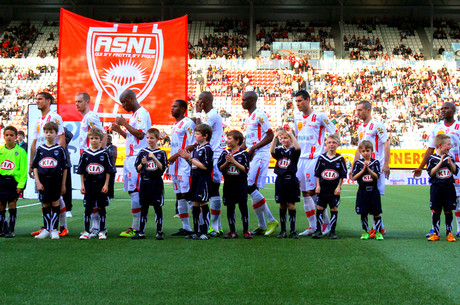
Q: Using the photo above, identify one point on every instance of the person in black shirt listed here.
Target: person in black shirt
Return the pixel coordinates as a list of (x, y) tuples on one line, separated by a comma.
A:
[(151, 164), (441, 169)]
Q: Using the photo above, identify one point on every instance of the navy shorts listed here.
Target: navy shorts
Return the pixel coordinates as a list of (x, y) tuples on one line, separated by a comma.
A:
[(287, 189), (328, 199), (199, 188), (151, 191), (234, 193), (94, 198), (442, 196), (52, 188), (8, 189), (368, 201)]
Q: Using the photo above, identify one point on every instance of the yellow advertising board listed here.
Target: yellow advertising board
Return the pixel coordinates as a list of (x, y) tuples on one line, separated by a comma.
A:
[(399, 158)]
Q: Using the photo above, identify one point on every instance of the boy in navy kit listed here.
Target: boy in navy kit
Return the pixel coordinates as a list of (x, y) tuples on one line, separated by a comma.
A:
[(287, 191), (50, 166), (442, 169), (234, 165), (201, 162), (13, 177), (329, 172), (94, 169), (151, 164), (367, 170)]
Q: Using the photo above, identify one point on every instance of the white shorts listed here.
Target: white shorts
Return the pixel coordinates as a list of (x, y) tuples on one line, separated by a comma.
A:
[(130, 175), (181, 184), (258, 169), (216, 174), (306, 174)]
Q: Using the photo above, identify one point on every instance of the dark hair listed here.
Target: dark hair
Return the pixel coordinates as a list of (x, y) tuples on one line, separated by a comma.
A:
[(366, 104), (20, 132), (303, 93), (12, 128), (182, 103), (365, 144), (51, 126), (155, 132), (204, 129), (237, 135), (47, 96), (96, 132), (85, 96)]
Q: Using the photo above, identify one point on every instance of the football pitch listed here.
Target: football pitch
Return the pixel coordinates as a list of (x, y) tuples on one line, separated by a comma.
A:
[(402, 269)]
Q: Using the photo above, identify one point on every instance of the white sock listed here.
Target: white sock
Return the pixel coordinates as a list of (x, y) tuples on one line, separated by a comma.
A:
[(62, 217), (215, 206), (258, 203), (135, 210), (309, 207), (268, 214), (457, 214), (95, 219), (325, 217), (182, 207)]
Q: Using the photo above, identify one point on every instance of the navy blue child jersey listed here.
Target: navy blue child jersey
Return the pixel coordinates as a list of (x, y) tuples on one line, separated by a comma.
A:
[(95, 165), (287, 161), (151, 169), (50, 160), (366, 179), (204, 154), (330, 171), (444, 175), (232, 174)]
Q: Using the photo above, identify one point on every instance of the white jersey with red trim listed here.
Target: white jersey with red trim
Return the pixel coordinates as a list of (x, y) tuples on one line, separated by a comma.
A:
[(257, 126), (311, 131), (375, 132), (451, 130), (139, 120), (213, 119), (38, 133), (181, 137), (90, 120)]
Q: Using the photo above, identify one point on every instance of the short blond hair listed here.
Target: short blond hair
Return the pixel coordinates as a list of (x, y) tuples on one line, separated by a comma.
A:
[(440, 139), (334, 136), (96, 132)]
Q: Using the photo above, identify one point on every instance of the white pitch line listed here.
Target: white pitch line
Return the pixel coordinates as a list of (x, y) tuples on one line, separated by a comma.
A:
[(28, 205)]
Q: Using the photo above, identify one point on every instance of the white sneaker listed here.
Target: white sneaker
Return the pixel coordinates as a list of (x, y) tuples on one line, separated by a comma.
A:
[(68, 214), (326, 229), (85, 235), (309, 231), (43, 234), (102, 235), (94, 233), (54, 234)]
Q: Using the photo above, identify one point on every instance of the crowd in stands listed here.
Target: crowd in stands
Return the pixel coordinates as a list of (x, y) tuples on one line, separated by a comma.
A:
[(17, 40)]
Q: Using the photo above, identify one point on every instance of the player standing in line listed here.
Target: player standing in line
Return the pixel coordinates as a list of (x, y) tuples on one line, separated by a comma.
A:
[(44, 100), (139, 123), (90, 120), (13, 178), (181, 138), (451, 127), (213, 119), (310, 128), (259, 135), (50, 166), (374, 131), (287, 191)]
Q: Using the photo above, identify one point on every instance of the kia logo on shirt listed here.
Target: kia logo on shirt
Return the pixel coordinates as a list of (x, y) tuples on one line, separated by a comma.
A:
[(94, 169), (284, 163), (151, 166), (444, 173), (367, 178), (232, 170), (7, 165), (329, 174), (48, 163)]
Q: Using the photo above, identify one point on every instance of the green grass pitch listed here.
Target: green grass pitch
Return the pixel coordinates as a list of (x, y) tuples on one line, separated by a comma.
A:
[(402, 269)]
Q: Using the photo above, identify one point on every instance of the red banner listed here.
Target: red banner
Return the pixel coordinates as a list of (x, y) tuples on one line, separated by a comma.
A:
[(104, 59)]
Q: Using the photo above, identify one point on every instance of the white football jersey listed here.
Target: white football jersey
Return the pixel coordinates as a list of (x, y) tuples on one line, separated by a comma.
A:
[(213, 119), (451, 130), (38, 133), (311, 131), (90, 120), (257, 126), (139, 120), (182, 135), (375, 132)]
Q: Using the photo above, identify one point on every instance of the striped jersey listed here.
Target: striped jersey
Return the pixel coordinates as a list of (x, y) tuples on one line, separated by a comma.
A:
[(330, 171), (451, 130), (50, 160), (257, 126), (182, 135), (444, 175), (150, 169), (311, 131), (139, 120), (375, 132)]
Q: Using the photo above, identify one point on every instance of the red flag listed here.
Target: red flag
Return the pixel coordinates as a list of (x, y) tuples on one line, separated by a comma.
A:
[(104, 59)]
